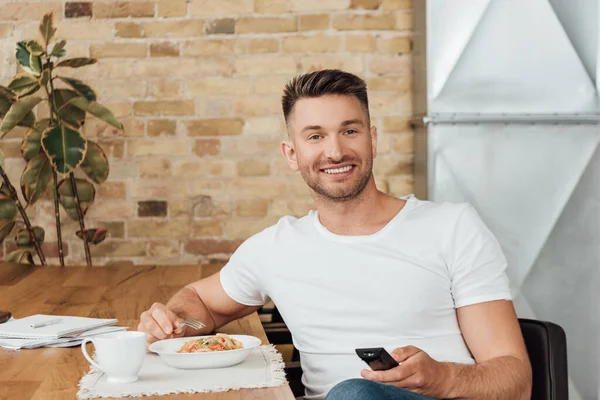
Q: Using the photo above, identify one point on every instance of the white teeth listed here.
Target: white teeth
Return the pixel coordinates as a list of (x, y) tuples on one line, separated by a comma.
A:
[(338, 170)]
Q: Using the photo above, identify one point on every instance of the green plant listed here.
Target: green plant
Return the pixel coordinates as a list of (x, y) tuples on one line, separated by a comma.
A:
[(52, 147)]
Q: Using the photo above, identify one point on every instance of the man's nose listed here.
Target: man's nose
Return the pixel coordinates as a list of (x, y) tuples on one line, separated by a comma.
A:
[(334, 150)]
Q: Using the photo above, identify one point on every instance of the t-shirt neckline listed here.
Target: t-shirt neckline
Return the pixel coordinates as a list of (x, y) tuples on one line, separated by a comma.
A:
[(410, 201)]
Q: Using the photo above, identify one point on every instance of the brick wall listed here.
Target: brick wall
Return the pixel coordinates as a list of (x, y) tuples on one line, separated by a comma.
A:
[(197, 84)]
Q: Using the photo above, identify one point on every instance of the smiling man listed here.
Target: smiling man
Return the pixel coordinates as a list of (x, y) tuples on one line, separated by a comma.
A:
[(424, 280)]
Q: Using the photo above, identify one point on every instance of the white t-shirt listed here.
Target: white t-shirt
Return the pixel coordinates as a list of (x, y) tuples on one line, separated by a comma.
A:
[(399, 286)]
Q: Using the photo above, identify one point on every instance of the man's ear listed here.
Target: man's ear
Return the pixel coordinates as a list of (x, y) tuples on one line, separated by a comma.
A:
[(288, 151), (374, 140)]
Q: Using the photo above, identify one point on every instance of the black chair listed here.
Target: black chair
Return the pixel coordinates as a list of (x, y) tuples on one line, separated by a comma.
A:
[(547, 347), (546, 344)]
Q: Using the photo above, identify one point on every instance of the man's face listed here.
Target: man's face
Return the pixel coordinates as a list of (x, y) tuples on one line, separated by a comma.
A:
[(332, 145)]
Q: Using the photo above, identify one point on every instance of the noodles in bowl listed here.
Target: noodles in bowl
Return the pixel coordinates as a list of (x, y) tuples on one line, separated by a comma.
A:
[(211, 351), (219, 342)]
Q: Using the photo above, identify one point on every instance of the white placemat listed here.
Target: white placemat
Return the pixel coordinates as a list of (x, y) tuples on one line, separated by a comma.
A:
[(263, 368)]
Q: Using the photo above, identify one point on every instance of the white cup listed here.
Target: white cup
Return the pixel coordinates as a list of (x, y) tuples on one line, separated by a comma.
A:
[(119, 354)]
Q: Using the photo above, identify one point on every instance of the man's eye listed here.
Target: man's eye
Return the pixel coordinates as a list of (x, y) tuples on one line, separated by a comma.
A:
[(351, 131), (314, 137)]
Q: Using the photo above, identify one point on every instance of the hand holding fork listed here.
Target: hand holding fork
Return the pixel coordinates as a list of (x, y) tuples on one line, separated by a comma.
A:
[(160, 323), (192, 323)]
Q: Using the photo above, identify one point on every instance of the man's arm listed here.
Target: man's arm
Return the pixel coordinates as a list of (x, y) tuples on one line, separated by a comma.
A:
[(206, 301), (492, 333), (503, 370)]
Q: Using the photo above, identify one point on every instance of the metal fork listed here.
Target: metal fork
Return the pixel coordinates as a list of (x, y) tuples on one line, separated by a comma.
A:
[(192, 323)]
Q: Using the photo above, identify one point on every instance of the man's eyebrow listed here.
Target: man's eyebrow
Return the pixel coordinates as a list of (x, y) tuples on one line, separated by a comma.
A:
[(344, 123), (310, 127), (352, 122)]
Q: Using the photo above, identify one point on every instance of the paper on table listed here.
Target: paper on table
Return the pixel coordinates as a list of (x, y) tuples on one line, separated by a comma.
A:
[(21, 328), (16, 344)]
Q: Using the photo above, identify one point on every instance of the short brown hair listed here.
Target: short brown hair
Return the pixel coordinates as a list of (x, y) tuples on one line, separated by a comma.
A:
[(320, 83)]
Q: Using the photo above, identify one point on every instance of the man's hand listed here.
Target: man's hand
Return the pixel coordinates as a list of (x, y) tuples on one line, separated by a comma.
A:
[(160, 323), (417, 372)]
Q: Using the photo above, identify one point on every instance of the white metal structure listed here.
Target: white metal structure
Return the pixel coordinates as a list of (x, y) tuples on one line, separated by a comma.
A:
[(509, 93)]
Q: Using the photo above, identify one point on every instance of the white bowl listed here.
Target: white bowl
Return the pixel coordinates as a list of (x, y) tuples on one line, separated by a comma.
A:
[(167, 350)]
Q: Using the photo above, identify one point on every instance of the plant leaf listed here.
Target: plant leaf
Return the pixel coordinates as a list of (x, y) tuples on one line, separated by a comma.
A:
[(4, 190), (32, 140), (94, 235), (2, 157), (22, 54), (35, 178), (96, 110), (7, 98), (4, 106), (35, 64), (24, 84), (47, 28), (77, 62), (95, 164), (34, 47), (81, 88), (20, 256), (66, 112), (24, 240), (7, 94), (65, 147), (17, 113), (8, 208), (30, 62), (45, 77), (5, 228), (59, 49), (86, 192), (28, 120)]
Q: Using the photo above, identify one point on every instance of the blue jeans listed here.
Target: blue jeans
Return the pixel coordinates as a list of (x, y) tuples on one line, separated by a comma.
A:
[(363, 389)]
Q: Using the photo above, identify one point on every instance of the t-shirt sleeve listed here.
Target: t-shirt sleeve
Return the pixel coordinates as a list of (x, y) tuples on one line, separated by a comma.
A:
[(477, 263), (241, 276)]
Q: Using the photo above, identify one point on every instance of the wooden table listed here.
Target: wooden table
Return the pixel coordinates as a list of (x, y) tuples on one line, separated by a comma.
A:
[(121, 292)]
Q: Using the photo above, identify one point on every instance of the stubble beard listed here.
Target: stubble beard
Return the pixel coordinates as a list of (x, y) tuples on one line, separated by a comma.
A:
[(337, 194)]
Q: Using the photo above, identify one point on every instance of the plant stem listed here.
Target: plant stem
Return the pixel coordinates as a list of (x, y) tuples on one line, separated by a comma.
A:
[(54, 118), (53, 101), (15, 198), (61, 256), (88, 257)]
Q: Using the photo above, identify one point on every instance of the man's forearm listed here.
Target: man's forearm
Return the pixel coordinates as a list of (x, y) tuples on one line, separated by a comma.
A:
[(502, 378), (187, 304)]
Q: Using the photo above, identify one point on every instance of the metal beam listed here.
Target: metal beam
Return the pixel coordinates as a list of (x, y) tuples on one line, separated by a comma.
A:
[(575, 118)]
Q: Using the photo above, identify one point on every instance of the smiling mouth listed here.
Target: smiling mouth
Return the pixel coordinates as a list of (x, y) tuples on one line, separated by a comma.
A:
[(341, 170)]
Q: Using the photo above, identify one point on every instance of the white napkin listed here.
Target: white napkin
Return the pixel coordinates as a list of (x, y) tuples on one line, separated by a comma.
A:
[(263, 368)]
